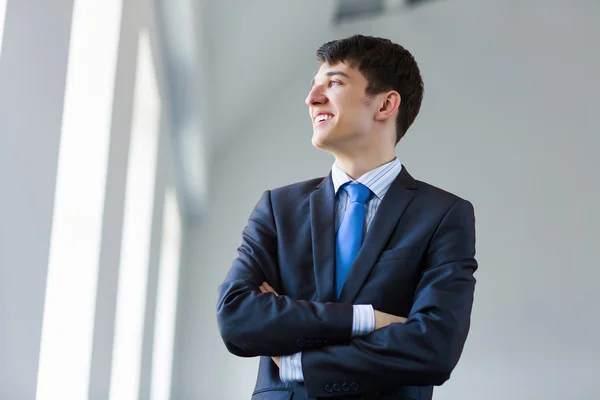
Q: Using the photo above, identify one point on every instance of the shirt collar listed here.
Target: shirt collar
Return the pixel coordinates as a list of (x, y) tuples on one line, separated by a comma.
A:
[(377, 180)]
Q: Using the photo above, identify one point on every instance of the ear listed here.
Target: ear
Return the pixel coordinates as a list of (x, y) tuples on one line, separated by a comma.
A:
[(390, 102)]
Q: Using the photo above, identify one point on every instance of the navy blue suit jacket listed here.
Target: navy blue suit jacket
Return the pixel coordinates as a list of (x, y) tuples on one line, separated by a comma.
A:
[(417, 261)]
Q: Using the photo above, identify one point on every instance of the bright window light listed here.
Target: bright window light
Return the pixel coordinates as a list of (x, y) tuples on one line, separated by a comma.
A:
[(137, 230), (166, 300), (2, 20), (68, 321)]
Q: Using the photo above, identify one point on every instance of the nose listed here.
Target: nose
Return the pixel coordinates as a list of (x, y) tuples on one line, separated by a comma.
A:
[(316, 96)]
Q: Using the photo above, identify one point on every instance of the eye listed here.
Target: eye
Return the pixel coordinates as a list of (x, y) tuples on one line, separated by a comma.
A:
[(331, 83)]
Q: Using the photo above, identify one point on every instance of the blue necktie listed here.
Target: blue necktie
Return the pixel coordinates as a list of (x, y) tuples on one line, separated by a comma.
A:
[(350, 234)]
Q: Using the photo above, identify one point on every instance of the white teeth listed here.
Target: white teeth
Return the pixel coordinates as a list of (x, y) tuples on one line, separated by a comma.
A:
[(323, 117)]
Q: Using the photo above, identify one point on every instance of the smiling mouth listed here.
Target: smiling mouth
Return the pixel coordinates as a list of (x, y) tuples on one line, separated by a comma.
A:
[(322, 119)]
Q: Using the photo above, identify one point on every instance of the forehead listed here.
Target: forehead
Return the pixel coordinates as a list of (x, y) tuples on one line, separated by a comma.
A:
[(339, 69), (327, 69)]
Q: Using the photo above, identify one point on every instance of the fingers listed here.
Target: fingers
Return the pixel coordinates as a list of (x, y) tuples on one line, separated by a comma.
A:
[(266, 288)]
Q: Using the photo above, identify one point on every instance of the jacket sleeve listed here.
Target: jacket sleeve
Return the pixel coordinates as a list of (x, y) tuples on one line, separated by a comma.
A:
[(252, 323), (425, 349)]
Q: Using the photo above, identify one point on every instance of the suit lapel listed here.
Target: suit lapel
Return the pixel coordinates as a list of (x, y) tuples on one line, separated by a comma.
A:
[(397, 198), (322, 224)]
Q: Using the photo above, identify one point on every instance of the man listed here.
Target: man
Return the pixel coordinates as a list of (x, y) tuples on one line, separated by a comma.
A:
[(358, 285)]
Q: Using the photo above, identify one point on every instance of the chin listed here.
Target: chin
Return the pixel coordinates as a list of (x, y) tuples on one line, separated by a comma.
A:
[(319, 140), (323, 138)]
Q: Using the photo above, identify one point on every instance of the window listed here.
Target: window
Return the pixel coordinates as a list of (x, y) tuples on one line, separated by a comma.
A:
[(166, 300), (137, 229), (68, 321)]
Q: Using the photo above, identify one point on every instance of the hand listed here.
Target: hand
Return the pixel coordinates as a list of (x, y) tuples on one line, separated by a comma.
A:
[(266, 288), (383, 319)]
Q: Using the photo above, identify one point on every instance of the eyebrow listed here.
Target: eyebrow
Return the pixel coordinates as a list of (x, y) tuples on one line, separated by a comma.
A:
[(332, 73)]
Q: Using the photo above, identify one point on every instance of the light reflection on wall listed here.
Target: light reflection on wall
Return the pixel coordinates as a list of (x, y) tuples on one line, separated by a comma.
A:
[(2, 20)]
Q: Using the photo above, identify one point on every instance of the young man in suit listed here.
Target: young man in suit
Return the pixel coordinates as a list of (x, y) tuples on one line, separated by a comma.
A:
[(358, 285)]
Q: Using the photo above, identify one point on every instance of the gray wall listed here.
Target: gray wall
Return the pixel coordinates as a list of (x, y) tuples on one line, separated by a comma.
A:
[(32, 83), (508, 122)]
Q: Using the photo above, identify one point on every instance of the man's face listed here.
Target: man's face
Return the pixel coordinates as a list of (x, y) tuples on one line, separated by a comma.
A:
[(341, 112)]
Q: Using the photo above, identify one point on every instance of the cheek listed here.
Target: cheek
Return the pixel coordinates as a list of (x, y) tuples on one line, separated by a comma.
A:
[(352, 112), (359, 114)]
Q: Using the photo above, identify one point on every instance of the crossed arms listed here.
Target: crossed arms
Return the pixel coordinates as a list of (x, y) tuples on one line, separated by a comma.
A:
[(421, 351)]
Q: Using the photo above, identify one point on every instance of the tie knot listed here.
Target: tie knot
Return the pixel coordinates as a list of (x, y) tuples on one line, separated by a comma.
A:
[(357, 192)]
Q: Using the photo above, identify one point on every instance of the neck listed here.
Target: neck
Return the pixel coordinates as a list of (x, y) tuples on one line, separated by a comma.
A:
[(355, 167)]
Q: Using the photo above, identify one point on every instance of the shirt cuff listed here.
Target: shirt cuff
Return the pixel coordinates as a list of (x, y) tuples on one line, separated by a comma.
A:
[(363, 319), (290, 369)]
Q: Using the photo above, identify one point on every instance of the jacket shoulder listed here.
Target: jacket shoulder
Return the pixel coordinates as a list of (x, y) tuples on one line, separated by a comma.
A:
[(298, 188), (438, 195)]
